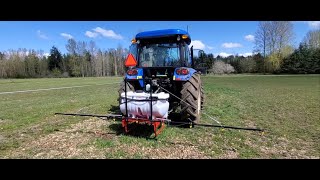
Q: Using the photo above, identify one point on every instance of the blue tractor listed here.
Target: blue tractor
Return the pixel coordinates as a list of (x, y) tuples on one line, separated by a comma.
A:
[(161, 61)]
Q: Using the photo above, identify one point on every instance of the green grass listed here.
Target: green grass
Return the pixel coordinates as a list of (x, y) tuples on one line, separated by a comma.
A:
[(32, 113), (287, 107), (103, 143)]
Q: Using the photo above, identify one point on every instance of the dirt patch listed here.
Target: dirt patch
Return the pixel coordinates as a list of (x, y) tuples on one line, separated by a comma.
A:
[(250, 124), (4, 121), (79, 142), (229, 154), (2, 139), (281, 148), (71, 143), (177, 151)]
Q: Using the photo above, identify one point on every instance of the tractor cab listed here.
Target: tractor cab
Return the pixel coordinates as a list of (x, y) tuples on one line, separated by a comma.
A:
[(162, 48), (163, 54)]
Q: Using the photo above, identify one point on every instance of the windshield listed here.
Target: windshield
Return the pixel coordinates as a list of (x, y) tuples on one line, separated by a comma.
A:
[(159, 55)]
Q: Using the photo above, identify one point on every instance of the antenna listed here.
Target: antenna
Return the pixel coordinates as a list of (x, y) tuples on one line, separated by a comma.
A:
[(187, 28)]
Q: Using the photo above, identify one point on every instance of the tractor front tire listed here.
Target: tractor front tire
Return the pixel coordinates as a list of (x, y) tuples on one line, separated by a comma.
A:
[(192, 94)]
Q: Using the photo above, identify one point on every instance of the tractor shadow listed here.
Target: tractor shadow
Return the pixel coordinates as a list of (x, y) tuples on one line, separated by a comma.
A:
[(135, 130), (115, 109), (142, 130)]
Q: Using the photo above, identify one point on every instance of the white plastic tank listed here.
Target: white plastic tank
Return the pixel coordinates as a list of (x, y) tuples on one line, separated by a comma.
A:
[(160, 106)]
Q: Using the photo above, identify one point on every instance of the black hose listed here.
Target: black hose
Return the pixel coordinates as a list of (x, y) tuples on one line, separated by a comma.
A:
[(91, 115), (212, 125), (229, 127), (171, 123)]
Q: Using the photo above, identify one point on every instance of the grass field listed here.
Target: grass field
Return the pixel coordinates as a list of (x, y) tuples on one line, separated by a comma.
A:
[(287, 107)]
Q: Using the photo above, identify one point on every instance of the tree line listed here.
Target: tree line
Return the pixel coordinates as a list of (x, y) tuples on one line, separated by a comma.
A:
[(82, 60), (274, 53)]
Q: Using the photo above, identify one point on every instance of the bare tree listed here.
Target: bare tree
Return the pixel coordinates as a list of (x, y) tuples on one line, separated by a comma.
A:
[(81, 51), (284, 35), (2, 65), (110, 62), (92, 51), (273, 36), (71, 46), (261, 37), (98, 64), (312, 39), (274, 39)]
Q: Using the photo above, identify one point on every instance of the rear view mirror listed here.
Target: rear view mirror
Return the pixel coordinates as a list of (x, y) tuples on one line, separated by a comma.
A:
[(200, 53)]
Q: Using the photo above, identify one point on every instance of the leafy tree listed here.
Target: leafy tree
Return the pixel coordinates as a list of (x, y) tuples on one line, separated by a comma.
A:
[(55, 59), (302, 60)]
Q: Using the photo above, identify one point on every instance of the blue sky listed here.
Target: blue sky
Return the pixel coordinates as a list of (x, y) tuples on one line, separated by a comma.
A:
[(217, 37)]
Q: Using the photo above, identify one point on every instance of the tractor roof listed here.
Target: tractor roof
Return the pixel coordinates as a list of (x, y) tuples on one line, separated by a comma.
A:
[(162, 33)]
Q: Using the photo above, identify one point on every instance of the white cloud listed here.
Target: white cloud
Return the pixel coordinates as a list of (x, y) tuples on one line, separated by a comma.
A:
[(210, 47), (46, 54), (107, 33), (249, 37), (246, 54), (91, 34), (197, 44), (67, 36), (231, 45), (223, 54), (23, 53), (42, 35), (314, 24), (41, 55)]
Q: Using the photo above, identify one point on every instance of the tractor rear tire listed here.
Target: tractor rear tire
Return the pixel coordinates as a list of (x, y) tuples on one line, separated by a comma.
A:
[(122, 89), (191, 93)]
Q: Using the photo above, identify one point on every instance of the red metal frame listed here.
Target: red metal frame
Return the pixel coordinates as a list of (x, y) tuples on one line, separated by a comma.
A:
[(156, 124)]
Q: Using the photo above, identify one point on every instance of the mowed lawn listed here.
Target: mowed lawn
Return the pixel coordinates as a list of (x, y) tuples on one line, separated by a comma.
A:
[(287, 107)]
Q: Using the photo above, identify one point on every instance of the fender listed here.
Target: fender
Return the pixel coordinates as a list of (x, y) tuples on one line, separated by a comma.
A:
[(138, 77), (177, 77)]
